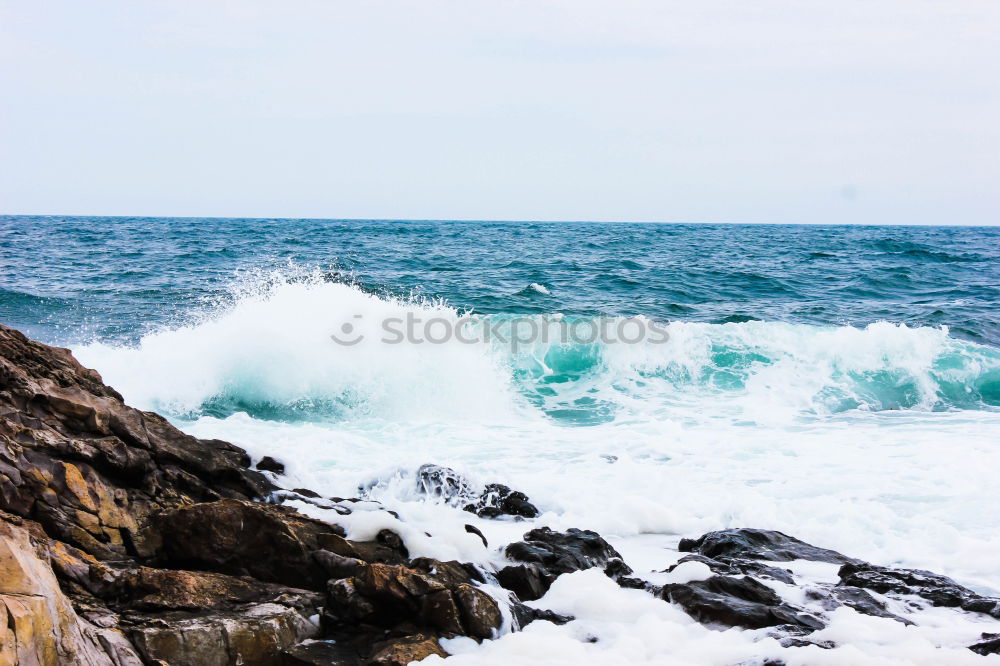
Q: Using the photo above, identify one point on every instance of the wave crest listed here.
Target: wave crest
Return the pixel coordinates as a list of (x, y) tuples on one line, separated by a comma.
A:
[(268, 353)]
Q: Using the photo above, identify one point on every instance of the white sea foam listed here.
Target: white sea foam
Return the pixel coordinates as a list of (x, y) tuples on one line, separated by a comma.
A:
[(724, 426)]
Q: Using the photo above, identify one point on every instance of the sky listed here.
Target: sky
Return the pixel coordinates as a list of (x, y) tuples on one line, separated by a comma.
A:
[(840, 111)]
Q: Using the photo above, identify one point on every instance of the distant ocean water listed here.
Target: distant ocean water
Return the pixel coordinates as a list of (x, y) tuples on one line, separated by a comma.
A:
[(841, 384)]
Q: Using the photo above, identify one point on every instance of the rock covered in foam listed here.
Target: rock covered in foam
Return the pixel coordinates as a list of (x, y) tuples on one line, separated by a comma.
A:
[(492, 501), (937, 589)]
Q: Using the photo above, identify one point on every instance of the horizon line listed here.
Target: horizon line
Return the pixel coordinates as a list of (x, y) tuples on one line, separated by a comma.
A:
[(499, 221)]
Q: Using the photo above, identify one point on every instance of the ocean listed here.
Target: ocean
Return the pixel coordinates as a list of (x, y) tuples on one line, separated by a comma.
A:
[(837, 383)]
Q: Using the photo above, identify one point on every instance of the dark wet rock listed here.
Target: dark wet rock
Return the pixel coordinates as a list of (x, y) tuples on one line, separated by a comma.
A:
[(737, 602), (937, 589), (269, 464), (525, 615), (547, 554), (527, 581), (633, 583), (791, 641), (499, 500), (738, 566), (757, 544), (493, 501), (989, 645), (472, 529), (863, 602)]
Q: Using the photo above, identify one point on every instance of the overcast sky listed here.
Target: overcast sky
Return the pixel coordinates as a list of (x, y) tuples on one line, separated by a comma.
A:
[(868, 111)]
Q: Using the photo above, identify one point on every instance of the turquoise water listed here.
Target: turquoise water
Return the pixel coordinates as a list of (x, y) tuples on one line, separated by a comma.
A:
[(841, 384), (74, 280)]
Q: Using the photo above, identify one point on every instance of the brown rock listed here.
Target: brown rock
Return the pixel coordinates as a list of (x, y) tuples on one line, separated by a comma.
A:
[(41, 626), (402, 651), (480, 612), (439, 610), (272, 543), (253, 636)]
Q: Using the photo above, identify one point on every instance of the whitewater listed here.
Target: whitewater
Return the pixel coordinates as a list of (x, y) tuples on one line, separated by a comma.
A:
[(870, 428), (841, 436)]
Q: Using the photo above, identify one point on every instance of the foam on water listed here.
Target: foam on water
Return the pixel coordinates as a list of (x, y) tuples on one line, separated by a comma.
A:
[(877, 441)]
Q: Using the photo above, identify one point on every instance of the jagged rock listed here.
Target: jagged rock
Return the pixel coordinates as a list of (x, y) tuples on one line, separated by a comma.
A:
[(548, 554), (480, 614), (440, 598), (252, 636), (90, 469), (403, 651), (119, 493), (757, 544), (442, 482), (527, 581), (387, 548), (937, 589), (491, 502), (40, 626), (150, 589), (739, 551), (271, 543), (269, 464), (738, 566), (989, 645), (499, 500), (525, 615), (863, 602), (737, 602)]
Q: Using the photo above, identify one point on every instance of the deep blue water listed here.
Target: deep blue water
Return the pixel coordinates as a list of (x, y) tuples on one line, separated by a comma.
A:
[(67, 278)]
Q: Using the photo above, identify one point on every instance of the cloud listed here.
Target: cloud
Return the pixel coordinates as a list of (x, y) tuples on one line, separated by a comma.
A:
[(717, 111)]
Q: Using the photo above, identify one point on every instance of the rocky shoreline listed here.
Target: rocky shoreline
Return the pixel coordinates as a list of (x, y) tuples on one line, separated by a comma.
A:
[(124, 541)]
